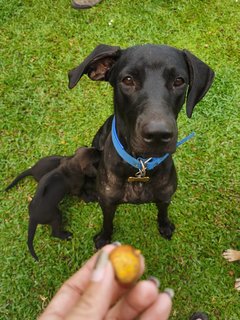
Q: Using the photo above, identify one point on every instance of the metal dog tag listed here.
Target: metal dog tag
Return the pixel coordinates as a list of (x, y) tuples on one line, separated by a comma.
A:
[(140, 176), (138, 179)]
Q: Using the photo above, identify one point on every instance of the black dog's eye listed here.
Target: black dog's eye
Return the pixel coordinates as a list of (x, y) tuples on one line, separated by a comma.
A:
[(178, 82), (128, 81)]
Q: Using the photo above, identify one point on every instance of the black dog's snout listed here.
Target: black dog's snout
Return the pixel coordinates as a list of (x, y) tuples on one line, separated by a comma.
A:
[(157, 132)]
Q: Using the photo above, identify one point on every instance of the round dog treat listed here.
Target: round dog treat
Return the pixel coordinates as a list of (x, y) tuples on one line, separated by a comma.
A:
[(126, 262)]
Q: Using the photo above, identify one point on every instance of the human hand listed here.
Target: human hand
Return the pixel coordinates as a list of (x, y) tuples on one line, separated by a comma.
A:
[(93, 293)]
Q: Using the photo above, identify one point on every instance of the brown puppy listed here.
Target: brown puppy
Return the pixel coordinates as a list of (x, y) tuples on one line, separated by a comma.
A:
[(76, 176), (233, 255)]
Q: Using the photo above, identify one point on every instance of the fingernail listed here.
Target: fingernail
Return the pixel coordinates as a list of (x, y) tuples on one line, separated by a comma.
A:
[(116, 243), (169, 292), (100, 266), (155, 281)]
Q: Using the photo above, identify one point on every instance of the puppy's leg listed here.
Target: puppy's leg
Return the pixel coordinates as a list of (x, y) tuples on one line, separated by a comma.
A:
[(231, 255), (165, 226), (56, 225), (104, 237)]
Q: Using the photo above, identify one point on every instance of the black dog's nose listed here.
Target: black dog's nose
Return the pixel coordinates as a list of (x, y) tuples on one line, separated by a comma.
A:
[(157, 132)]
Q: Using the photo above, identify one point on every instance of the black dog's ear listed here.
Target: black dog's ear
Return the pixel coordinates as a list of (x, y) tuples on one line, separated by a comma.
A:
[(201, 77), (96, 65)]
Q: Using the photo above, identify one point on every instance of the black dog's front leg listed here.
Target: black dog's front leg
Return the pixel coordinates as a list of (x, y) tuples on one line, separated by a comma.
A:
[(165, 226), (104, 237)]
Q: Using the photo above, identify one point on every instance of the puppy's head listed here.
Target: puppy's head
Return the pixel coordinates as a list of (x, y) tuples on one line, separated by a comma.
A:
[(88, 160)]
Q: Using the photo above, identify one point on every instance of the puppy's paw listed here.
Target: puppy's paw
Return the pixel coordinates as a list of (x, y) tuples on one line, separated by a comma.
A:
[(237, 284), (100, 241), (231, 255), (63, 235), (67, 235), (166, 230)]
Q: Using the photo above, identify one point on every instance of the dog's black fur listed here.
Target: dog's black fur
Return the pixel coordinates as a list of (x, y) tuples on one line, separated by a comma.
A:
[(42, 167), (76, 176), (150, 84)]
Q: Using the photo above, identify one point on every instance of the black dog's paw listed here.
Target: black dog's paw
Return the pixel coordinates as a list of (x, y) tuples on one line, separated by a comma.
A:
[(166, 230), (100, 241)]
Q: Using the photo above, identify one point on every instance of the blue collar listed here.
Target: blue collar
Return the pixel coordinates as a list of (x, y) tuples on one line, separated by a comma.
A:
[(139, 163)]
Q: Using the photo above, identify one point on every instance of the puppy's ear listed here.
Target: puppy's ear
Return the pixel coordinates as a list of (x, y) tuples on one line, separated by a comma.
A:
[(90, 170), (96, 65), (90, 164), (201, 77)]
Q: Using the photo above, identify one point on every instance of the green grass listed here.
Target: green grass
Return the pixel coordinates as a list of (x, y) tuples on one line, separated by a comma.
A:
[(40, 41)]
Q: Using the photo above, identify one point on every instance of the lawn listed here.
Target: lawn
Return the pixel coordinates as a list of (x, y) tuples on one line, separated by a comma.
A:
[(40, 116)]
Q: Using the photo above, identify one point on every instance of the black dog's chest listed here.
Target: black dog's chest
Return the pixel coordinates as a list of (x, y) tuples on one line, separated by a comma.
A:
[(138, 192), (114, 187)]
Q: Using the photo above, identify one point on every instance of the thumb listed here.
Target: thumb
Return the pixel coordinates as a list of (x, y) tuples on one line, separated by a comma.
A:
[(96, 300)]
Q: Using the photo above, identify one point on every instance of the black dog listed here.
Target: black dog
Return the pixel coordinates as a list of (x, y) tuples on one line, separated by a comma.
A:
[(150, 84), (76, 176), (42, 167)]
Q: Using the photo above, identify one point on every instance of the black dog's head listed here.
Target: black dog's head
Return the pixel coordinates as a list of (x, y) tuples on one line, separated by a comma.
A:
[(150, 85)]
